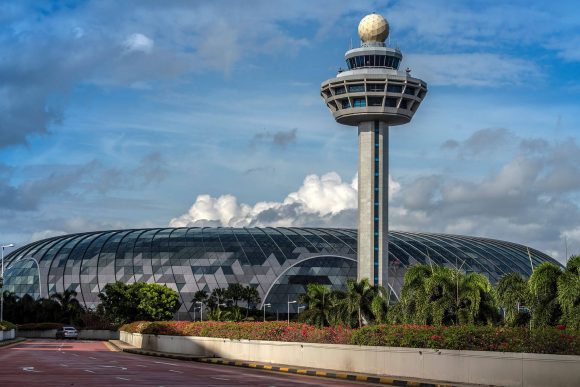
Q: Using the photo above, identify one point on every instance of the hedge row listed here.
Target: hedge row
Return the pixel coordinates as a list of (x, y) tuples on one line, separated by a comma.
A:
[(478, 338), (39, 326), (6, 326)]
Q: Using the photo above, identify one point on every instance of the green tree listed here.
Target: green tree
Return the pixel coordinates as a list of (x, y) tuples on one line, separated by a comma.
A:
[(318, 305), (70, 307), (511, 294), (235, 292), (252, 297), (123, 303), (358, 300), (543, 295), (569, 293)]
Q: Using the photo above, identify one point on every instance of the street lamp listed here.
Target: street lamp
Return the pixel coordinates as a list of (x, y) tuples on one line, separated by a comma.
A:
[(2, 283), (301, 307), (264, 306), (290, 302), (200, 308)]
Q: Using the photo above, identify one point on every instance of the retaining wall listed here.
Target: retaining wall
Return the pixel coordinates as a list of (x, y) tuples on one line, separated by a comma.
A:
[(84, 334), (477, 367), (7, 335)]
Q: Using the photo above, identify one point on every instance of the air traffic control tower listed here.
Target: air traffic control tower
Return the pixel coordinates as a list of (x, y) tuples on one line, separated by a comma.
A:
[(373, 95)]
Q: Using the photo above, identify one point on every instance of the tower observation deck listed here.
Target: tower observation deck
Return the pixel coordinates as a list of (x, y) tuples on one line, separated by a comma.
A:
[(373, 94)]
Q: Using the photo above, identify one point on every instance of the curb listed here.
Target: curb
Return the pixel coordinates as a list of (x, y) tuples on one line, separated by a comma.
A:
[(7, 343), (325, 374), (298, 371)]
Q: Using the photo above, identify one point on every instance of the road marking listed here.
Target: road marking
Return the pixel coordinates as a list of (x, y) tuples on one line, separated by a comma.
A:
[(177, 372), (120, 378), (161, 362), (64, 365), (108, 366), (141, 365), (219, 378), (92, 358), (92, 372), (29, 369), (74, 354), (113, 361)]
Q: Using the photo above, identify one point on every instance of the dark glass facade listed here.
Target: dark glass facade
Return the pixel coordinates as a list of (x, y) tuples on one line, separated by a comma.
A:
[(279, 262)]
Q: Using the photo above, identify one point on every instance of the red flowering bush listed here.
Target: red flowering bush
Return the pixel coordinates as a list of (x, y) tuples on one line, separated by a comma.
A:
[(463, 337)]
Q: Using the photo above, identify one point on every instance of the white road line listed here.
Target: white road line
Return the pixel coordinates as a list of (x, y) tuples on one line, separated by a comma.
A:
[(74, 354), (92, 372), (177, 372), (141, 365), (120, 378), (161, 362), (29, 369), (92, 358), (113, 361), (215, 377), (64, 365)]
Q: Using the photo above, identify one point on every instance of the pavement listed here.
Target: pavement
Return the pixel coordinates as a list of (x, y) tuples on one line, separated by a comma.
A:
[(94, 363)]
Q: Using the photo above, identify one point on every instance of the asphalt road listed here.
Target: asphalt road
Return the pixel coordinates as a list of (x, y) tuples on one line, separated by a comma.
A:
[(90, 363)]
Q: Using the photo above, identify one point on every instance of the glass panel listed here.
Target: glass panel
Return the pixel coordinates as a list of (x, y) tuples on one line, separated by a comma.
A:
[(356, 88)]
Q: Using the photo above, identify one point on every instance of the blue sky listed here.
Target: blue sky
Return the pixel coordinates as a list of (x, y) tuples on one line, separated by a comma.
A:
[(147, 113)]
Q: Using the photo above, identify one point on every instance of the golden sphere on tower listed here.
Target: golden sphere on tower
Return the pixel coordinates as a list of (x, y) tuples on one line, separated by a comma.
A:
[(373, 28)]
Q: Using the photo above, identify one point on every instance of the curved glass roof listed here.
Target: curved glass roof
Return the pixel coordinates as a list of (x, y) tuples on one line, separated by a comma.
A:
[(273, 260)]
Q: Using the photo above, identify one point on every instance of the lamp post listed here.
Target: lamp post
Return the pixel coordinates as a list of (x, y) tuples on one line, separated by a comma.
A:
[(290, 302), (2, 282), (264, 306), (200, 309), (301, 307)]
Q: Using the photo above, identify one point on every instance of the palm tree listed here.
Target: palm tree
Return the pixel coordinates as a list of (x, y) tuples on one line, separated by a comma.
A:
[(71, 307), (569, 293), (511, 294), (413, 304), (318, 305), (441, 292), (358, 300), (543, 295), (475, 299)]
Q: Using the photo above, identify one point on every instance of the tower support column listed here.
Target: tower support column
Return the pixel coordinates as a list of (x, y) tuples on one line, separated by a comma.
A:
[(373, 199)]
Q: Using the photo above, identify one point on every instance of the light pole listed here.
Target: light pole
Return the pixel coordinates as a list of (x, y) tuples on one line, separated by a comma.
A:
[(264, 306), (2, 282), (200, 309), (301, 307), (290, 302)]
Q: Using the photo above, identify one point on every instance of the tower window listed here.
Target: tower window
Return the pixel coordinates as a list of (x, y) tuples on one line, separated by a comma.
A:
[(356, 88), (339, 90), (394, 88), (403, 104), (375, 87), (344, 103), (391, 102), (410, 90), (375, 101), (359, 102)]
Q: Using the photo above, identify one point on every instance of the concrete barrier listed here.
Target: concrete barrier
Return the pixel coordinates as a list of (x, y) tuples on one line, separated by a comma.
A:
[(84, 334), (475, 367), (7, 335)]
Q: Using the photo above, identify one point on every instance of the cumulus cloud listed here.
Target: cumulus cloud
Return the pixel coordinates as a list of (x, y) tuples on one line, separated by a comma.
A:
[(320, 200), (530, 199)]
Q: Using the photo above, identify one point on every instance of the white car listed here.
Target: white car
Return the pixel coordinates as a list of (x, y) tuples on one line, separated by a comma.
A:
[(67, 333)]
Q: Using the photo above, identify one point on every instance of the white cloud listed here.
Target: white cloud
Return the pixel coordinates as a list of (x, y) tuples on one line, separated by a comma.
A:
[(319, 200), (139, 43)]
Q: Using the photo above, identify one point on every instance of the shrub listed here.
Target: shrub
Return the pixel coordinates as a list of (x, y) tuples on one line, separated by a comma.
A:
[(39, 326), (6, 326)]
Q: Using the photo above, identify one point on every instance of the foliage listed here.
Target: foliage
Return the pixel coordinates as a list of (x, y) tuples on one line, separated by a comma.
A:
[(6, 326), (222, 304), (458, 337), (319, 305), (443, 296), (60, 307), (542, 295), (39, 326), (511, 295), (122, 303), (471, 337), (569, 293)]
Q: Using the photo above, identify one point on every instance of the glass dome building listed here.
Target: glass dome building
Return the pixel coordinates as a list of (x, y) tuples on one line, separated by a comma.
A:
[(279, 262)]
